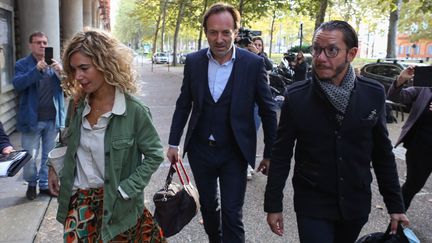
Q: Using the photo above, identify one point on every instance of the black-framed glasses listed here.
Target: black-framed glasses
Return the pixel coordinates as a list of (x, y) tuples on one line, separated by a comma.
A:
[(330, 51)]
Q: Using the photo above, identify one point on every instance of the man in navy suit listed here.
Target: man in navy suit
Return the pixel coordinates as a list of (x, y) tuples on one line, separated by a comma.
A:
[(336, 122), (221, 85)]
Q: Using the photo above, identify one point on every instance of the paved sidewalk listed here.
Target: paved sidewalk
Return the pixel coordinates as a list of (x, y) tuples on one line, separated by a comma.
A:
[(19, 217), (26, 221)]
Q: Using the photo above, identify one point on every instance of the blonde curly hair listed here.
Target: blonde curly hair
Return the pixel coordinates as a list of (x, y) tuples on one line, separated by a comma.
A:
[(108, 55)]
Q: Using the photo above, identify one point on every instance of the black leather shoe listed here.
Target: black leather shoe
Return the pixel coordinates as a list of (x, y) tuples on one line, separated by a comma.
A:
[(46, 192), (31, 192)]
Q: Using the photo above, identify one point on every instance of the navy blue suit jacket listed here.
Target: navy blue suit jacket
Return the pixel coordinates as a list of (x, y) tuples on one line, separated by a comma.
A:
[(249, 87)]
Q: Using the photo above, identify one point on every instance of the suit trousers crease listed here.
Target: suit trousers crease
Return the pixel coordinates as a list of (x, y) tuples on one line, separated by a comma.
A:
[(222, 223)]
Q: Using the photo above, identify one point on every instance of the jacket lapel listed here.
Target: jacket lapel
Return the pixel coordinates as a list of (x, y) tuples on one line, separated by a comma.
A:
[(202, 81), (237, 79)]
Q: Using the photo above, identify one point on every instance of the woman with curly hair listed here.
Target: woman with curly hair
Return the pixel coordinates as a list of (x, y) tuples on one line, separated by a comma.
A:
[(113, 147)]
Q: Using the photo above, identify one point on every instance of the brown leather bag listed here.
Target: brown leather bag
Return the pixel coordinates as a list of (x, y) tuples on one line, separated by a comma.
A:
[(175, 204)]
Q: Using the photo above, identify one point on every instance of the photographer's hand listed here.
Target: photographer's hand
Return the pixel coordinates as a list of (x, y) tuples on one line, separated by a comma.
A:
[(405, 75), (41, 65), (58, 68), (251, 47)]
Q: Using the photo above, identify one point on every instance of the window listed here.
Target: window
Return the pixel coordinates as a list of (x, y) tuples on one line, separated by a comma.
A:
[(429, 50), (401, 50), (6, 51), (417, 50)]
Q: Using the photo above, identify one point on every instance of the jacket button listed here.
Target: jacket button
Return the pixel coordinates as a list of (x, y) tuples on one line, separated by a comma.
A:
[(341, 178), (340, 158), (339, 137)]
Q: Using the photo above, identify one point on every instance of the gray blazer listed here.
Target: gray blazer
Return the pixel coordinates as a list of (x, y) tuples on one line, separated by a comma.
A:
[(418, 97)]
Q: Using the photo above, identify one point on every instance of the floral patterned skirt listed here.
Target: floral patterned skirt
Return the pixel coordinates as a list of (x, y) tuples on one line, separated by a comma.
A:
[(84, 221)]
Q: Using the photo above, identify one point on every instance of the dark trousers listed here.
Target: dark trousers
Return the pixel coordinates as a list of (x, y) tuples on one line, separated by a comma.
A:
[(209, 163), (419, 167), (313, 230)]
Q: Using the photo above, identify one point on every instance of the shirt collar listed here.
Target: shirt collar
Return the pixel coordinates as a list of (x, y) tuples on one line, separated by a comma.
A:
[(210, 56), (119, 106)]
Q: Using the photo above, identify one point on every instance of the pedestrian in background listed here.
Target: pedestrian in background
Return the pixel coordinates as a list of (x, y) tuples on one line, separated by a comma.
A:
[(113, 147), (336, 122), (416, 134), (41, 110), (257, 47), (5, 145), (300, 67), (220, 87)]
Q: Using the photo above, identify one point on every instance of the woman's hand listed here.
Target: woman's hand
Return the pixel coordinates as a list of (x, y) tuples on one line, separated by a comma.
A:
[(53, 181)]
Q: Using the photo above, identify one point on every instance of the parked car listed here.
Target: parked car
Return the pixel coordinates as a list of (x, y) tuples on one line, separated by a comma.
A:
[(160, 57), (386, 71)]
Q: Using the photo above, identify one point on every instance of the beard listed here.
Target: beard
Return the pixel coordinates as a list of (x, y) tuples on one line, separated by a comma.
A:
[(338, 70)]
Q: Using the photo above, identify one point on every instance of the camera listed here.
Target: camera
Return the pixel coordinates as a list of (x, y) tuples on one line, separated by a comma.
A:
[(244, 37)]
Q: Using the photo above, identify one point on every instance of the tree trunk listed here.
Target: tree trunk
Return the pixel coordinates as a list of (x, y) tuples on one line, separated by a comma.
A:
[(202, 28), (241, 3), (164, 10), (156, 34), (321, 13), (271, 33), (392, 31), (177, 30)]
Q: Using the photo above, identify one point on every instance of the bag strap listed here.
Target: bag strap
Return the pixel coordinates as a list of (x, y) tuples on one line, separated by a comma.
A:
[(169, 177), (184, 172), (174, 168)]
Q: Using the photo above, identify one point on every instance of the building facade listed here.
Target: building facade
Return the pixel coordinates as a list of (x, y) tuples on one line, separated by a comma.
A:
[(58, 19), (421, 49)]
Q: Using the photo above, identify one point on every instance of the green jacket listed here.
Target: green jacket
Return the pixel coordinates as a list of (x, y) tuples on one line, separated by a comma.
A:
[(128, 137)]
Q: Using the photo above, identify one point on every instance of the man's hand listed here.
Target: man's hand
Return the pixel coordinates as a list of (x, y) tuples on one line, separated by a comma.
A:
[(53, 181), (7, 150), (275, 221), (58, 68), (405, 75), (41, 65), (264, 166), (395, 219), (173, 154)]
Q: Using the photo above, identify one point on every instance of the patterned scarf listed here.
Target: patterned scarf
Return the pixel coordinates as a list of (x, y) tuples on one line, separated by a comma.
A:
[(339, 95)]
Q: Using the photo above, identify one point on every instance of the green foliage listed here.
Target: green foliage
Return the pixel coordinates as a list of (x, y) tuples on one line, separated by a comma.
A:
[(304, 48), (136, 20), (415, 20)]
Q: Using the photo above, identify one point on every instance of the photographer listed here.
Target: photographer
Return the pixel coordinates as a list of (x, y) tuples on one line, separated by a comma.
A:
[(416, 134), (41, 110), (257, 47), (300, 67)]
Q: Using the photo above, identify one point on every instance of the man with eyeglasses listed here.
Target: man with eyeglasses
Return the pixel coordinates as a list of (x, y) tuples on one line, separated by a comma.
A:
[(336, 123), (41, 110)]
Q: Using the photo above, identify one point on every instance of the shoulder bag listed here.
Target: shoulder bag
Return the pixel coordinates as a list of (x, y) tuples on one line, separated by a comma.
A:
[(176, 204)]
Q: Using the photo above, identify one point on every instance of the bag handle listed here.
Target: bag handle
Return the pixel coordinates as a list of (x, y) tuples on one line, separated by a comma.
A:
[(184, 172)]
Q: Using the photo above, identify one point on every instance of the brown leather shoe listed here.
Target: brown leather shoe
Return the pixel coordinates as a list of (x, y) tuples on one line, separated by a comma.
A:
[(31, 192)]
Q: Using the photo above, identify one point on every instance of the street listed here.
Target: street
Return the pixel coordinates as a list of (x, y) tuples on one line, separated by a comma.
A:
[(159, 90)]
